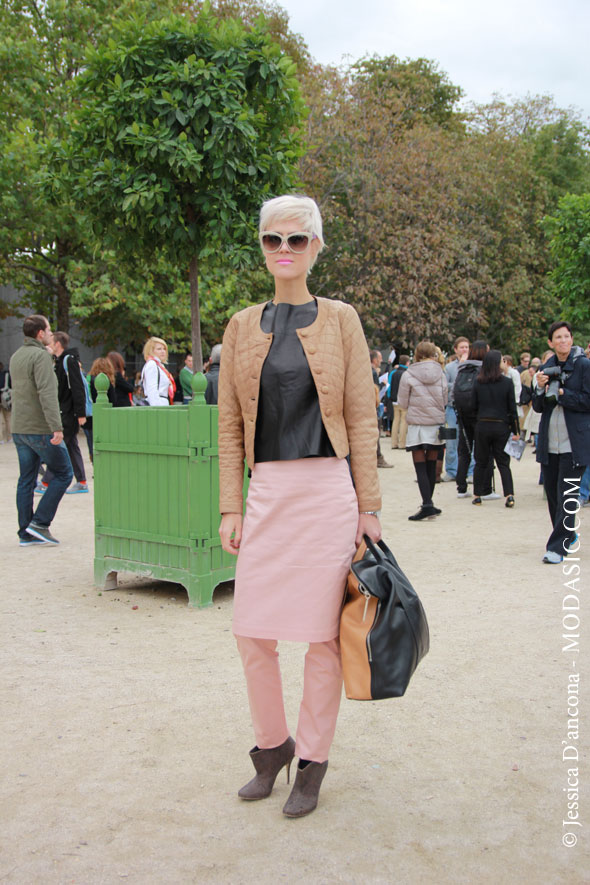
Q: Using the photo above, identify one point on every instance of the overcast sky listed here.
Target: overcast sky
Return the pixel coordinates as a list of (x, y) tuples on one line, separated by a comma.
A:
[(506, 46)]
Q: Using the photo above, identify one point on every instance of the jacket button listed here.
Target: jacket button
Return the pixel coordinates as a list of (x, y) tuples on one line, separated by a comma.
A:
[(311, 349), (328, 412), (318, 371), (325, 389)]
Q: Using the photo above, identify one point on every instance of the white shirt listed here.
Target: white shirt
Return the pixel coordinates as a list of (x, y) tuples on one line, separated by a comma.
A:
[(517, 382), (155, 383)]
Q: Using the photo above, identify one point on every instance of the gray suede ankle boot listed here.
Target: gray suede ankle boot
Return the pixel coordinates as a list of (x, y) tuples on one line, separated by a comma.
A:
[(306, 789), (268, 763)]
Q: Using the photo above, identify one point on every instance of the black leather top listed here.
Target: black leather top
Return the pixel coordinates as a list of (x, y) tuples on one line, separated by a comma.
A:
[(289, 422)]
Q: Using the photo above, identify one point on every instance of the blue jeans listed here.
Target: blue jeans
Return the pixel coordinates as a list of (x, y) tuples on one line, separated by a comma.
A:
[(451, 444), (32, 449), (585, 485)]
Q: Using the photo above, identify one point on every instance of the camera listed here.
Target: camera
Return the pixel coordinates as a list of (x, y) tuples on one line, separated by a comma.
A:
[(554, 383)]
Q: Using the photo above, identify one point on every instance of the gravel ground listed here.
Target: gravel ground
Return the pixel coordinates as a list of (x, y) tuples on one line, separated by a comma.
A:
[(125, 728)]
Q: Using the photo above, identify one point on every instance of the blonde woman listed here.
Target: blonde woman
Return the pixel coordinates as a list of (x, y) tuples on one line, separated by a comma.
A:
[(296, 397), (157, 382)]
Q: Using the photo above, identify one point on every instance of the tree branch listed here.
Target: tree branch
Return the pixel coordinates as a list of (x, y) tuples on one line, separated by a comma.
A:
[(35, 270)]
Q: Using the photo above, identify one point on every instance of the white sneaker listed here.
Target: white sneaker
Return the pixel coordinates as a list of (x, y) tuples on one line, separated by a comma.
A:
[(552, 558), (493, 496), (446, 477), (464, 494)]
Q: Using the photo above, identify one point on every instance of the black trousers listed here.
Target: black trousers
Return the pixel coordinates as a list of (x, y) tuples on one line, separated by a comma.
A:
[(562, 487), (490, 439), (465, 442), (71, 441)]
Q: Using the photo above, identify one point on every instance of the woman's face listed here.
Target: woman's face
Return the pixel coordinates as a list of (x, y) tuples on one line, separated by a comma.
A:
[(284, 264), (161, 351)]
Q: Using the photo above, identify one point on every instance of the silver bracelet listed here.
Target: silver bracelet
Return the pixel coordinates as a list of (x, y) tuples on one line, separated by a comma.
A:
[(368, 512)]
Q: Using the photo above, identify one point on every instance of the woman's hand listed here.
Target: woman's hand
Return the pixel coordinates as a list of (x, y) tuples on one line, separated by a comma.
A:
[(368, 525), (230, 532), (542, 380)]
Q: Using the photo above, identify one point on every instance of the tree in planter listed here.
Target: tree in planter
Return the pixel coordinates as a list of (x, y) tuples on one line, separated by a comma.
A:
[(183, 128), (119, 307)]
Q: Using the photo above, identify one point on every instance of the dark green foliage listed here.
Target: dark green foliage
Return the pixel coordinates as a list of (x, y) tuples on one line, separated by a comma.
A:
[(183, 129), (569, 240)]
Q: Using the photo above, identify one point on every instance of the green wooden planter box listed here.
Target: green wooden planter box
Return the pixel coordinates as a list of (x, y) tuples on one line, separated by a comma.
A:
[(156, 494)]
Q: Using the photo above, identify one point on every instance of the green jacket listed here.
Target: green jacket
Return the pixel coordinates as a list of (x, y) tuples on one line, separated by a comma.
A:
[(186, 379), (35, 407)]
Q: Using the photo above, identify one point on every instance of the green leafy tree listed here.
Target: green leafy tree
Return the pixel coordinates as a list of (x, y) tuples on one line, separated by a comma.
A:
[(121, 306), (524, 155), (182, 129), (252, 13), (569, 241), (41, 53)]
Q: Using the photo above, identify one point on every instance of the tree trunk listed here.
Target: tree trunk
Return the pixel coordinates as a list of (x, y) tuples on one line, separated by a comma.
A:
[(193, 274), (63, 295)]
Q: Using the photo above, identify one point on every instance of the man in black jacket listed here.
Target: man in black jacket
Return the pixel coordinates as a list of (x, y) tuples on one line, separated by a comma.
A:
[(563, 446), (72, 404)]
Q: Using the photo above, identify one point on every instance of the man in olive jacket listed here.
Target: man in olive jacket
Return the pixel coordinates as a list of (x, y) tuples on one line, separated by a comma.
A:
[(37, 433)]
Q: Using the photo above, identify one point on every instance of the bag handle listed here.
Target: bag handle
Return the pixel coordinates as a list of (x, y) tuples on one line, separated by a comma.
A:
[(380, 551)]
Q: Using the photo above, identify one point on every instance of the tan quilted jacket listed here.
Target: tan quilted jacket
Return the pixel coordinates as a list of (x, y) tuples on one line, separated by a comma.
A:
[(338, 358)]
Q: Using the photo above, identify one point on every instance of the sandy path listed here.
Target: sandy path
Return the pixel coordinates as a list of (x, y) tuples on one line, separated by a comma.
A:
[(125, 731)]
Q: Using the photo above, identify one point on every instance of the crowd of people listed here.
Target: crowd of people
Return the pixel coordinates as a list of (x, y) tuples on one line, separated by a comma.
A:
[(300, 400), (46, 399), (473, 406)]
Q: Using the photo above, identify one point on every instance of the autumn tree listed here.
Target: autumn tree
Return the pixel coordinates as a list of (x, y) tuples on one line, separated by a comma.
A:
[(432, 215), (385, 164)]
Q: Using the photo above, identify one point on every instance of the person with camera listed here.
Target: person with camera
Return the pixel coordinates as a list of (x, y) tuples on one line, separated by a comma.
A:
[(562, 395)]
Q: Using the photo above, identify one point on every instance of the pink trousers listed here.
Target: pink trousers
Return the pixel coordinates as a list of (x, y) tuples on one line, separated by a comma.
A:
[(322, 690)]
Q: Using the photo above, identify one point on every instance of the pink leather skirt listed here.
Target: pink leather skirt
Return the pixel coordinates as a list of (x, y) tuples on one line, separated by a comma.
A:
[(297, 546)]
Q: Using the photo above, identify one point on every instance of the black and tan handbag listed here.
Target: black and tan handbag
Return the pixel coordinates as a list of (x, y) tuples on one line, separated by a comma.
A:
[(383, 628)]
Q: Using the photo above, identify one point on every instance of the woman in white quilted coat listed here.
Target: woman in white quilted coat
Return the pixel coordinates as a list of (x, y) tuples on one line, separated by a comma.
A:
[(423, 392)]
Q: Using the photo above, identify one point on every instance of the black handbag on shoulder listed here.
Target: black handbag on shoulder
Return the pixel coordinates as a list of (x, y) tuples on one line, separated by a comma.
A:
[(383, 628)]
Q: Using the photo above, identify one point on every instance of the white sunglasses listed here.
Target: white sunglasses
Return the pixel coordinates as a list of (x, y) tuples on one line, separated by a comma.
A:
[(271, 241)]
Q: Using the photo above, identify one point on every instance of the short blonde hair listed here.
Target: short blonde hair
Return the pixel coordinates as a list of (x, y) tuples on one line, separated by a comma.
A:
[(293, 207), (150, 346)]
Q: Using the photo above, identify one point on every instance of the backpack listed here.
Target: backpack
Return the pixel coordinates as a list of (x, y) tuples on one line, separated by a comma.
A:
[(6, 394), (88, 409), (463, 387)]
